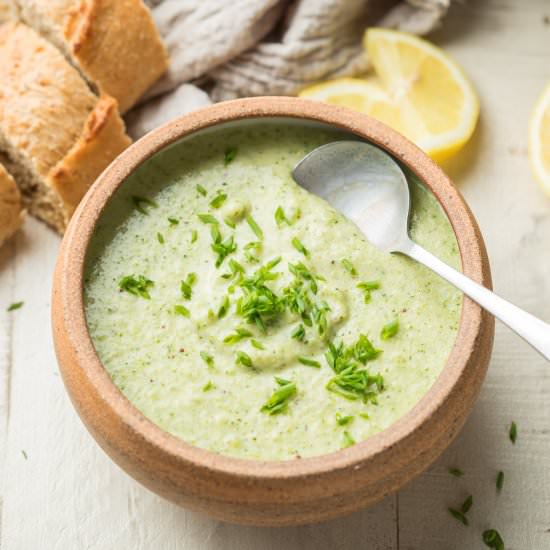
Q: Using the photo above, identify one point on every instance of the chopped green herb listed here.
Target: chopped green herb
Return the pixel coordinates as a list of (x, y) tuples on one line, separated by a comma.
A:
[(229, 222), (138, 286), (343, 420), (194, 235), (500, 481), (367, 287), (278, 402), (251, 250), (513, 433), (15, 305), (229, 155), (242, 358), (365, 416), (160, 238), (309, 362), (492, 539), (207, 358), (364, 351), (24, 453), (296, 243), (348, 440), (390, 330), (173, 221), (280, 217), (467, 504), (299, 333), (186, 286), (458, 515), (224, 308), (218, 200), (256, 344), (141, 202), (181, 310), (456, 472), (208, 218), (221, 248), (349, 267), (237, 336), (201, 189), (255, 227), (208, 386)]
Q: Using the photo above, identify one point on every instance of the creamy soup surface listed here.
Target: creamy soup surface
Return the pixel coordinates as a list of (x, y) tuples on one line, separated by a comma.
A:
[(246, 316)]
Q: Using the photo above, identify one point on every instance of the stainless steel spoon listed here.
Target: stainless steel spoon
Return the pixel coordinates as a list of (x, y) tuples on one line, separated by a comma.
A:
[(368, 187)]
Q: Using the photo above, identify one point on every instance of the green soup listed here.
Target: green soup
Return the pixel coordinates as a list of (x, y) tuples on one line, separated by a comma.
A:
[(246, 316)]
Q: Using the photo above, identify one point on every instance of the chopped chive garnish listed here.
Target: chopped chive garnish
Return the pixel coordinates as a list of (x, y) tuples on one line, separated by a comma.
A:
[(207, 358), (343, 420), (492, 539), (467, 504), (251, 250), (229, 155), (229, 222), (218, 200), (141, 202), (348, 440), (367, 287), (296, 243), (349, 267), (299, 333), (460, 515), (513, 432), (173, 221), (207, 218), (256, 344), (224, 308), (160, 238), (208, 386), (254, 226), (278, 402), (15, 305), (237, 336), (280, 217), (201, 189), (181, 310), (222, 248), (138, 286), (390, 330), (456, 472), (309, 362), (186, 286), (500, 481), (24, 453), (365, 416), (242, 358), (194, 235)]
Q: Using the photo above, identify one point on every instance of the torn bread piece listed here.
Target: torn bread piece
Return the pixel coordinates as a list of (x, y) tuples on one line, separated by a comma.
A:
[(11, 209), (49, 122), (113, 43), (7, 10)]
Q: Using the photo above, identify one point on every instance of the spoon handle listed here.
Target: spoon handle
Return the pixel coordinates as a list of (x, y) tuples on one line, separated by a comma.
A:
[(533, 330)]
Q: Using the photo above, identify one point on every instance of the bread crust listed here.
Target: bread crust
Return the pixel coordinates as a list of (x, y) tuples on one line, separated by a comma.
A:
[(6, 10), (11, 210), (114, 43)]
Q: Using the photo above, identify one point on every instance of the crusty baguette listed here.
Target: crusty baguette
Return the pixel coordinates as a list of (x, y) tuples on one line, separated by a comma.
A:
[(6, 10), (11, 210), (49, 121), (114, 43)]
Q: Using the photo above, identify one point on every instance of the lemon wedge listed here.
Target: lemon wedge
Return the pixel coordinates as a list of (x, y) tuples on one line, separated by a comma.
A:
[(539, 140), (417, 89)]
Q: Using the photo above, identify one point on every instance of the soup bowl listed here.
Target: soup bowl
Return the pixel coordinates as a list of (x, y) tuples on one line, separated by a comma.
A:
[(274, 493)]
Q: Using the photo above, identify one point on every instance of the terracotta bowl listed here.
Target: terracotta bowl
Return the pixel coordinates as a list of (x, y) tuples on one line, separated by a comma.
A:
[(248, 491)]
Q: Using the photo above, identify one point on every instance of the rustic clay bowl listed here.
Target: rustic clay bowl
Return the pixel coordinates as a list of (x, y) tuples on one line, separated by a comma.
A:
[(247, 491)]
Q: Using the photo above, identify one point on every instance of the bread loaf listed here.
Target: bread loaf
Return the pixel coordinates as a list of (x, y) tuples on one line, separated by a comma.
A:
[(11, 211), (56, 136), (113, 43)]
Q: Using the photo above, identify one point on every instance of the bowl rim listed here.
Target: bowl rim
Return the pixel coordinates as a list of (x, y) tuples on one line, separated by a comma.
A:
[(81, 228)]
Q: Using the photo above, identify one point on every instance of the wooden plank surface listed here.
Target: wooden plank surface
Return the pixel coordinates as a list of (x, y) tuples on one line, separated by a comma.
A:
[(68, 495)]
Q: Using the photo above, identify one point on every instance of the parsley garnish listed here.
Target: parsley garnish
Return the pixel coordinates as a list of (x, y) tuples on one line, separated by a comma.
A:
[(138, 286), (367, 287), (500, 481), (456, 472), (255, 227), (218, 200), (343, 420), (242, 358), (278, 402), (200, 189), (186, 286), (492, 539), (513, 433), (229, 155), (309, 362), (349, 267), (348, 440), (173, 221), (237, 336), (390, 330), (181, 310), (224, 308), (207, 358), (460, 515), (141, 202), (297, 244), (15, 305), (160, 238)]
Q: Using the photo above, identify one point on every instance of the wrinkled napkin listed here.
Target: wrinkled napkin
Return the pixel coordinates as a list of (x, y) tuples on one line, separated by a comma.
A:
[(222, 50)]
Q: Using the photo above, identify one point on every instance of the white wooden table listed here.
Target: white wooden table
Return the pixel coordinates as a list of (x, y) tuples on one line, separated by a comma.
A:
[(67, 495)]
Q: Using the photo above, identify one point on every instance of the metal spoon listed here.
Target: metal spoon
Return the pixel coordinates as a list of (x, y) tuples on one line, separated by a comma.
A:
[(368, 187)]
